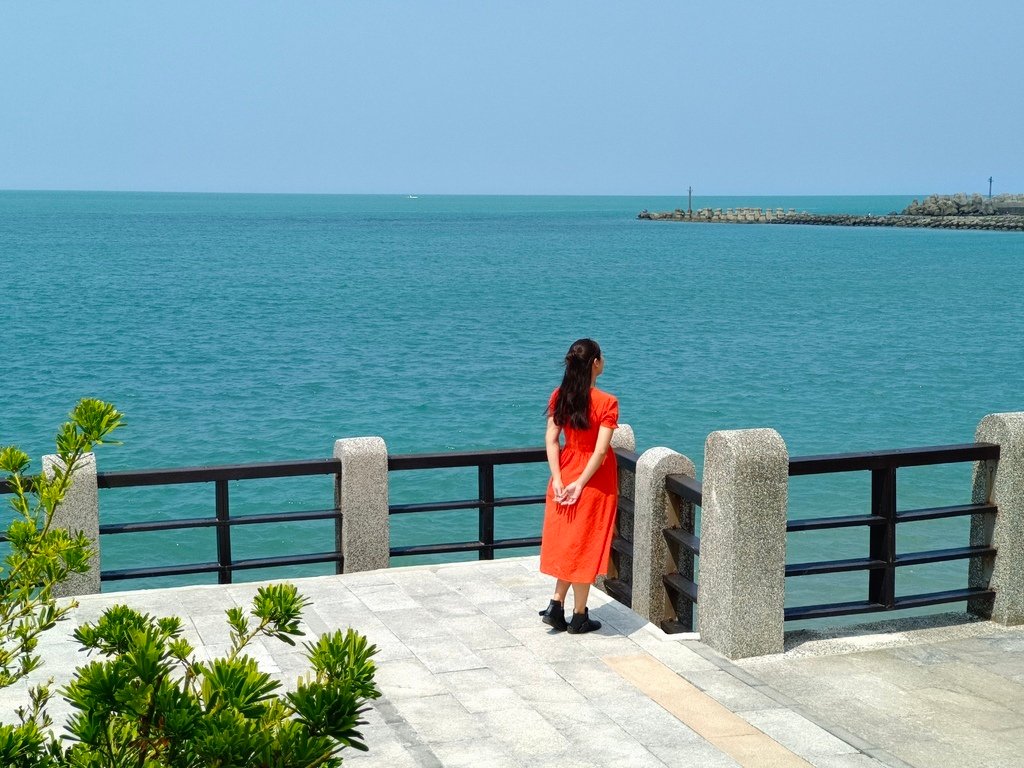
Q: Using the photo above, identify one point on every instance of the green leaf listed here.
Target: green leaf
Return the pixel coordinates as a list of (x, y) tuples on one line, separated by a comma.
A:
[(14, 460), (237, 684), (96, 419), (345, 657), (280, 605), (239, 625)]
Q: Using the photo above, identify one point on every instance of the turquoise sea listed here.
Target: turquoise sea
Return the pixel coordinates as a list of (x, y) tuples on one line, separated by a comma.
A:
[(246, 328)]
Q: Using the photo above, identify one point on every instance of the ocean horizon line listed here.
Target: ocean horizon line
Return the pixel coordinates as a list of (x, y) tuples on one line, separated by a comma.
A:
[(418, 194)]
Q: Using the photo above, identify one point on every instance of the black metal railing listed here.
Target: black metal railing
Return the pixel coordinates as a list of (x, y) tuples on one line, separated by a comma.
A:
[(619, 582), (686, 494), (883, 560), (485, 503), (222, 522)]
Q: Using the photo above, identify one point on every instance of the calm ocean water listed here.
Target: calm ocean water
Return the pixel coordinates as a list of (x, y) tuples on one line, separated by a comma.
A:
[(236, 328)]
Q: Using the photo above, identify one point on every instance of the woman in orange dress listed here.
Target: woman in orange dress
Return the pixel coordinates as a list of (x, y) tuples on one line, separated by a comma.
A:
[(583, 493)]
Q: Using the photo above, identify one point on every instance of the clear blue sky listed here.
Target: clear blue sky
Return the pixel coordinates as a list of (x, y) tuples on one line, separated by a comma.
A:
[(812, 97)]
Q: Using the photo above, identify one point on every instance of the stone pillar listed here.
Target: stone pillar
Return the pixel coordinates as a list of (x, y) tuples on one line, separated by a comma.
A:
[(743, 542), (622, 439), (361, 493), (1000, 483), (79, 513), (656, 510)]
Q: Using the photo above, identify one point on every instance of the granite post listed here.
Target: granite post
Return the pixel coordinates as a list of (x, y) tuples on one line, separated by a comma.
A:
[(79, 512), (655, 510), (1000, 483), (622, 439), (361, 495), (743, 542)]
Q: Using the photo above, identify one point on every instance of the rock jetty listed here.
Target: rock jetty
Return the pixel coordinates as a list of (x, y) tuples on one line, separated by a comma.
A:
[(963, 205), (1005, 212)]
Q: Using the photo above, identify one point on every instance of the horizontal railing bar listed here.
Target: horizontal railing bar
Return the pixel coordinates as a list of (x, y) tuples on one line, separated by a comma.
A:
[(674, 626), (526, 541), (626, 505), (834, 566), (830, 610), (518, 501), (686, 488), (899, 457), (913, 515), (619, 590), (437, 549), (948, 596), (6, 487), (184, 523), (430, 506), (283, 560), (941, 555), (682, 538), (908, 516), (401, 462), (146, 526), (909, 601), (842, 521), (168, 570), (285, 517), (463, 546), (445, 506), (189, 569), (622, 546), (626, 459), (798, 465), (205, 474), (681, 586)]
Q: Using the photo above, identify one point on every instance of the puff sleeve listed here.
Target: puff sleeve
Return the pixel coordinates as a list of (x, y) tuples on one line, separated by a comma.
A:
[(610, 416)]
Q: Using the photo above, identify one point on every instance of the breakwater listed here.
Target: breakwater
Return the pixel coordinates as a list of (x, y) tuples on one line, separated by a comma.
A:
[(1009, 222)]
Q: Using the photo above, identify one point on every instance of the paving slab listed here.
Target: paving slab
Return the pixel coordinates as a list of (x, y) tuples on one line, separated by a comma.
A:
[(471, 677), (907, 692)]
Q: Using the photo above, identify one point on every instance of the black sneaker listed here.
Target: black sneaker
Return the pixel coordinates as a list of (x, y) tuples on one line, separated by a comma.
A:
[(554, 616), (581, 622)]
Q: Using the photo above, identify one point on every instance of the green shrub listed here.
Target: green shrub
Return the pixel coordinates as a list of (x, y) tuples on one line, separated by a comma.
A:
[(149, 702), (41, 556), (145, 701)]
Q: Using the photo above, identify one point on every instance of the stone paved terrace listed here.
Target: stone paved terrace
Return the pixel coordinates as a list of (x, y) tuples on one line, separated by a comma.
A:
[(471, 677)]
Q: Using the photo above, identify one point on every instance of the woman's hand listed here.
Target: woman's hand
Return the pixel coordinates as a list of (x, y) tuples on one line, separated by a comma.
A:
[(557, 489), (571, 493)]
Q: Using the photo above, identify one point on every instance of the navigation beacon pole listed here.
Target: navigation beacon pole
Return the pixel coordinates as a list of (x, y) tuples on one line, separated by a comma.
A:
[(989, 187), (689, 202)]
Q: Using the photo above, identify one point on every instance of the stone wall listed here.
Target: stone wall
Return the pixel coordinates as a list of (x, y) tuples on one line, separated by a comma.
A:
[(996, 222)]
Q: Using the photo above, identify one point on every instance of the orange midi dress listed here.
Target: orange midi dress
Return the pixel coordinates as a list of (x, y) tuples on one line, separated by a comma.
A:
[(576, 540)]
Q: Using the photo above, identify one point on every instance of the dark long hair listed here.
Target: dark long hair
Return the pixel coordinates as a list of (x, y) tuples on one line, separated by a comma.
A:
[(572, 406)]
